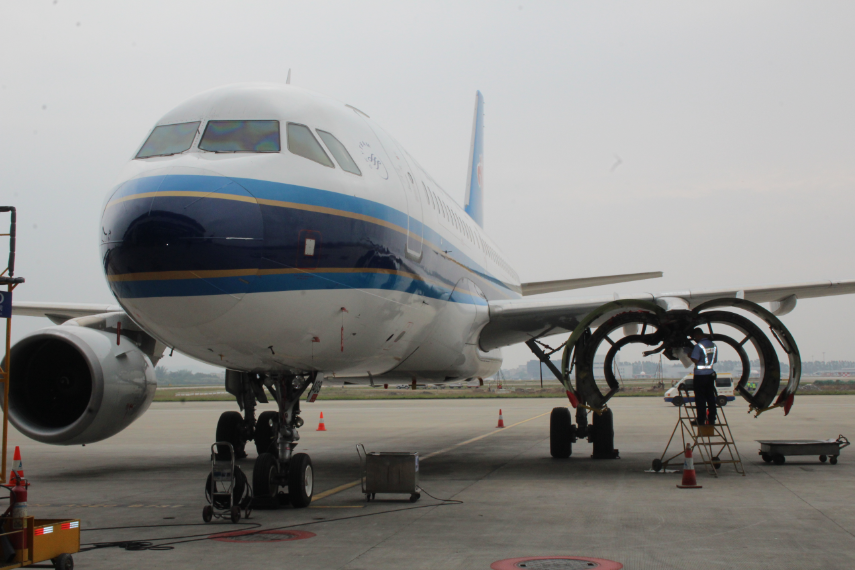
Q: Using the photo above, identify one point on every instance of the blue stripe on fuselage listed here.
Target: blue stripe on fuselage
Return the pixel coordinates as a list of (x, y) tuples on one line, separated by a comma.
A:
[(435, 282)]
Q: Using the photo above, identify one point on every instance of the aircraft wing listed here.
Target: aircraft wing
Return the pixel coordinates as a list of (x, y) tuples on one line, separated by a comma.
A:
[(61, 312), (518, 320)]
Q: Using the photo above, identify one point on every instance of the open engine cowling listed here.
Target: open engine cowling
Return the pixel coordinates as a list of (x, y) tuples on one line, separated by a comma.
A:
[(72, 385)]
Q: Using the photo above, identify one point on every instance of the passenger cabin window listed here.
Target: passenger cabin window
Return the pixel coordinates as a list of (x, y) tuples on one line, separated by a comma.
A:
[(166, 140), (302, 143), (241, 136), (340, 153)]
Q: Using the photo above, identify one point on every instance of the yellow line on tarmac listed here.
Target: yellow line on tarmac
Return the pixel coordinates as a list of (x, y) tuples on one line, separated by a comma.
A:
[(352, 484)]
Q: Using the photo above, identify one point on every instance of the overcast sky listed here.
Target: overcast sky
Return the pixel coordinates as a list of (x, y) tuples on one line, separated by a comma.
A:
[(733, 124)]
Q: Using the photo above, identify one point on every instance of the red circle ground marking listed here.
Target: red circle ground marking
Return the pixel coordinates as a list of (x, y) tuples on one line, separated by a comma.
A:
[(262, 536), (517, 563)]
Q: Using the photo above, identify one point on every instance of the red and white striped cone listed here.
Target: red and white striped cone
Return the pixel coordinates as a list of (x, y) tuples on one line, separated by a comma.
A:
[(690, 481), (501, 420), (322, 426), (17, 466)]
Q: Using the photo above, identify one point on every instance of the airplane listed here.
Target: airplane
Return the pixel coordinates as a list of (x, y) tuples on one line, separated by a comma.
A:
[(286, 237)]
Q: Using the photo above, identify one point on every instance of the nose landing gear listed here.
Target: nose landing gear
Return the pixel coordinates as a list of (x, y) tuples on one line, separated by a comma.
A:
[(276, 437)]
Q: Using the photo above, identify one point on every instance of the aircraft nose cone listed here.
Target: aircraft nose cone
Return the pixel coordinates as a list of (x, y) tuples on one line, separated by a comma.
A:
[(181, 235)]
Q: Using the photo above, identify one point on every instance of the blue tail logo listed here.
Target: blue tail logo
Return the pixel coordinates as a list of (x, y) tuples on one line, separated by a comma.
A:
[(475, 181)]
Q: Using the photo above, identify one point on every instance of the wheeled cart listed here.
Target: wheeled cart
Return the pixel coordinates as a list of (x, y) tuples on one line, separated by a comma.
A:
[(226, 489), (389, 472), (776, 451), (53, 540)]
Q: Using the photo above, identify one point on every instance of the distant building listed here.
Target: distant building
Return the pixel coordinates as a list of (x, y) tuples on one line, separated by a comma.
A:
[(531, 368)]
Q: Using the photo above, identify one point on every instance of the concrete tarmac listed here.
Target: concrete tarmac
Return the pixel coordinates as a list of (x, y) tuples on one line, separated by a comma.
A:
[(516, 500)]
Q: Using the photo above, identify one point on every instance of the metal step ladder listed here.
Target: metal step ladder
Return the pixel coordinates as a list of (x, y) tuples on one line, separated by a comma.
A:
[(710, 441)]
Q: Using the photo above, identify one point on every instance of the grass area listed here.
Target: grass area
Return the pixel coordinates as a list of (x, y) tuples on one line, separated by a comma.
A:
[(527, 390)]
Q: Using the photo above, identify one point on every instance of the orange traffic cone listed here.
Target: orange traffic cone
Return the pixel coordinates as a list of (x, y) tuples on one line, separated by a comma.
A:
[(321, 426), (17, 465), (501, 419), (689, 479)]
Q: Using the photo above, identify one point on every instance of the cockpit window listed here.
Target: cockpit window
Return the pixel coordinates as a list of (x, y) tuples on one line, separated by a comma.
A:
[(241, 136), (302, 143), (340, 153), (169, 139)]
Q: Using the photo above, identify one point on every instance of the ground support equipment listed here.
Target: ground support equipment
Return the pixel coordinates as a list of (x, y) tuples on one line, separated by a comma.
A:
[(389, 472), (227, 490), (53, 540), (775, 451), (278, 466), (25, 540), (711, 441)]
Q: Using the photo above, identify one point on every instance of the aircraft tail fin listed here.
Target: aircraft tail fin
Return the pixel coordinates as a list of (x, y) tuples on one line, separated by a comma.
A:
[(474, 203)]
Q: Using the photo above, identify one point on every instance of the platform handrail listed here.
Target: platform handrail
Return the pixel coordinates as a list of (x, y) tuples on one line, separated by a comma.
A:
[(12, 235)]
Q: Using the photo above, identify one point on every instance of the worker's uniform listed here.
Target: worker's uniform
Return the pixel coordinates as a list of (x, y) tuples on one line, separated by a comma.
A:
[(706, 354)]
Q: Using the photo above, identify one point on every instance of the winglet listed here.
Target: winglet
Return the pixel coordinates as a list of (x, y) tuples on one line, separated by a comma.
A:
[(474, 203)]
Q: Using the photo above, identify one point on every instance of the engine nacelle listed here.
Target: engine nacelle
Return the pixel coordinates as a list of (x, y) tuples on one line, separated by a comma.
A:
[(71, 384)]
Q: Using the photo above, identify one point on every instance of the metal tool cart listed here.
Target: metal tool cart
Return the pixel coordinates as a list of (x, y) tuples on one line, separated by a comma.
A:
[(775, 451), (389, 472), (227, 488)]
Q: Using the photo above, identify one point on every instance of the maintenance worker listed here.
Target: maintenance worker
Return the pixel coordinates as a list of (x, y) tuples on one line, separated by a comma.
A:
[(704, 355)]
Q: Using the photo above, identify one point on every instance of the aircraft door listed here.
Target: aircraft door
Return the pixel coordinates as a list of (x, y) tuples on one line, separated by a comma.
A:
[(416, 215), (411, 192)]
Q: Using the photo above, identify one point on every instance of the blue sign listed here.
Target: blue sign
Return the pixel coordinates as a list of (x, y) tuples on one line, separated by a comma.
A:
[(5, 304)]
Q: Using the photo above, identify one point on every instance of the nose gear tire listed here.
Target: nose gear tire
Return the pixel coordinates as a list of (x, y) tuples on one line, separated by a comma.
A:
[(300, 481), (265, 476)]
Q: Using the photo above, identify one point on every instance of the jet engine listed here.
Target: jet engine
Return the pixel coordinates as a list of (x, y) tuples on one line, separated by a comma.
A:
[(668, 331), (80, 382)]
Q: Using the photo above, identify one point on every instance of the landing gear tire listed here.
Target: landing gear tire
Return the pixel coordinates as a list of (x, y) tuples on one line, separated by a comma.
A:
[(778, 459), (717, 462), (265, 476), (657, 465), (207, 513), (677, 401), (266, 429), (228, 429), (301, 481), (721, 401), (560, 433), (604, 436)]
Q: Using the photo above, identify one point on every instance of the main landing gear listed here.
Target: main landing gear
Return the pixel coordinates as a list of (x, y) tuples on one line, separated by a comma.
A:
[(275, 435), (562, 433)]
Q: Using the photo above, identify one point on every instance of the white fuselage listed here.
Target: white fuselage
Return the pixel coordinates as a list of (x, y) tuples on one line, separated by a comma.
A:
[(269, 261)]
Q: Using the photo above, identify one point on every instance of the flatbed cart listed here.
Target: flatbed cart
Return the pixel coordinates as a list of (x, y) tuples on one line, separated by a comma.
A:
[(227, 488), (53, 540), (776, 451), (389, 472)]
